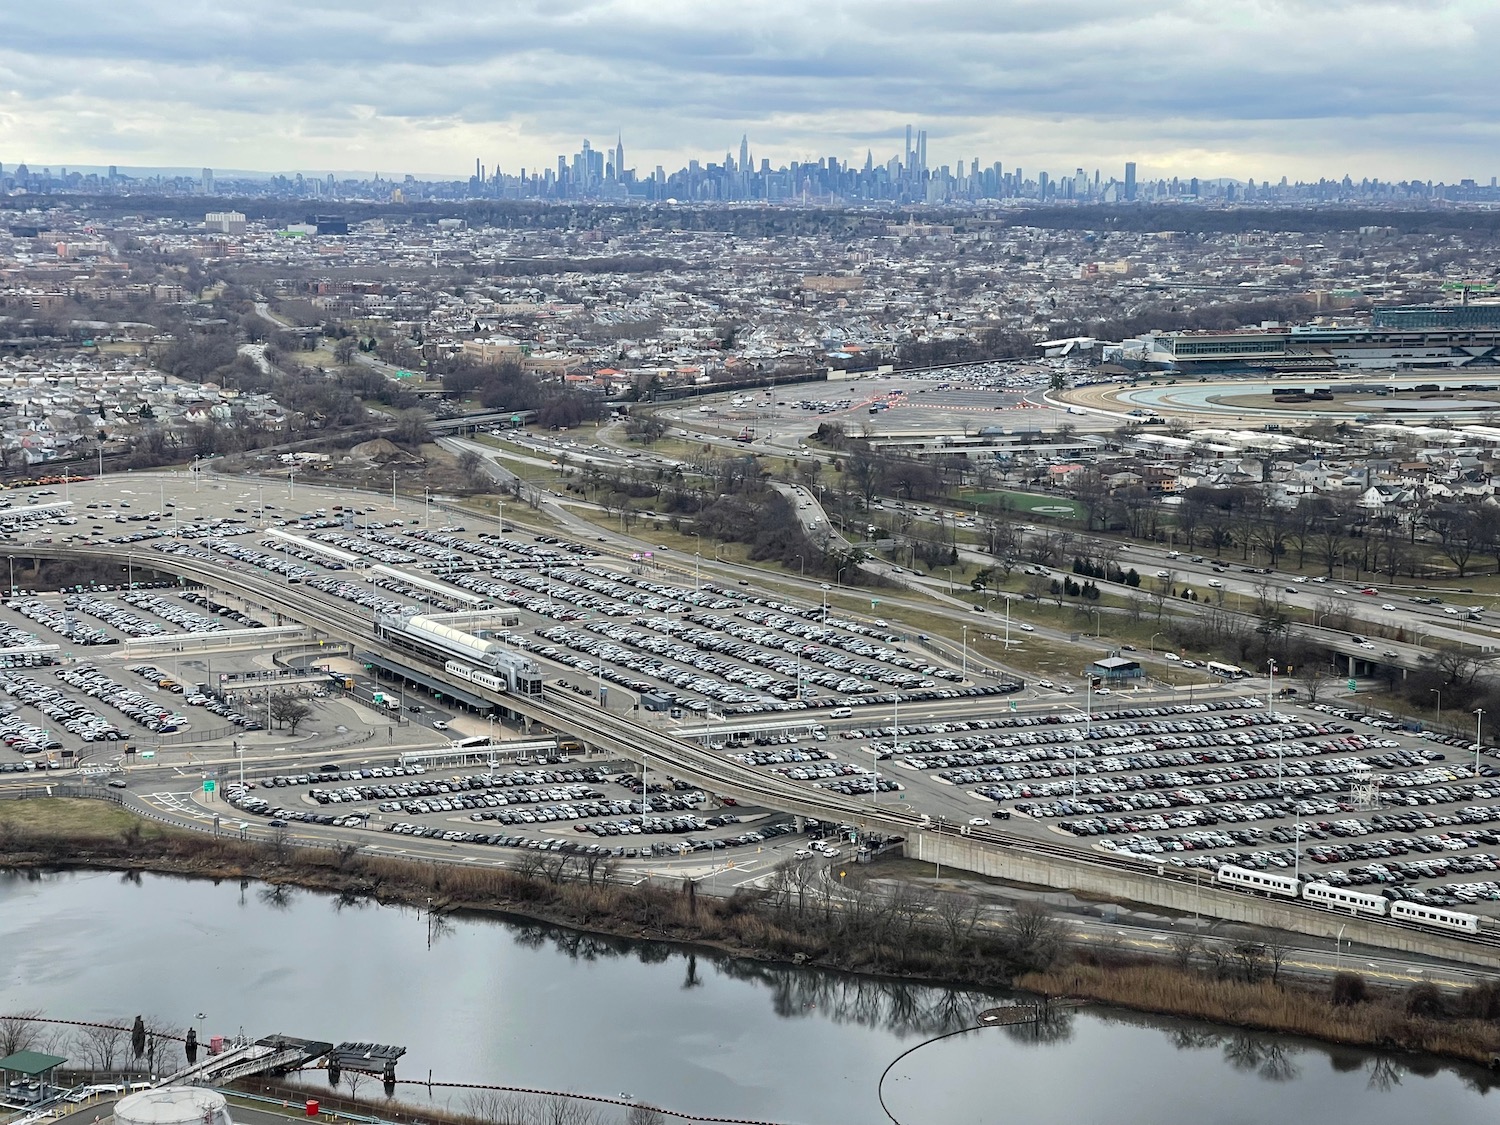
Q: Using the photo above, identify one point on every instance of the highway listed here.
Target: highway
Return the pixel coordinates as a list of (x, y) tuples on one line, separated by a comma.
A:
[(625, 738)]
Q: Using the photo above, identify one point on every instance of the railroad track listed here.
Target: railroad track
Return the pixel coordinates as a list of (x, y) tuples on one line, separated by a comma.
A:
[(622, 736)]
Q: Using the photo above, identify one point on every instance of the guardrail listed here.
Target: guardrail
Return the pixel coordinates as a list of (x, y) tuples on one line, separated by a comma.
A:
[(186, 737)]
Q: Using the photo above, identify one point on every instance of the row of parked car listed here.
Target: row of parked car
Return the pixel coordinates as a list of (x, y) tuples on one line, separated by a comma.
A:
[(188, 620), (74, 717), (1349, 827), (76, 631)]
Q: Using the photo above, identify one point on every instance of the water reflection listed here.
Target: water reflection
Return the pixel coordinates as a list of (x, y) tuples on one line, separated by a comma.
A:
[(486, 1000), (1275, 1057), (278, 896)]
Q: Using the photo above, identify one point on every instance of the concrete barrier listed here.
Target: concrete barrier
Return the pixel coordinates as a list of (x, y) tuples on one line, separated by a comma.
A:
[(1188, 897)]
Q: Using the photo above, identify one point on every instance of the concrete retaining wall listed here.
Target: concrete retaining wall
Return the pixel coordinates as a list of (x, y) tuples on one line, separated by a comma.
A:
[(1187, 897)]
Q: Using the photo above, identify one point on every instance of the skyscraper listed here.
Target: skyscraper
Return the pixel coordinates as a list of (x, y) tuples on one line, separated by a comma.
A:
[(207, 183), (620, 157), (1130, 181), (744, 154)]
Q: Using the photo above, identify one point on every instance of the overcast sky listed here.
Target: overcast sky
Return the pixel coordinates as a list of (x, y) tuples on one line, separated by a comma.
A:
[(1249, 88)]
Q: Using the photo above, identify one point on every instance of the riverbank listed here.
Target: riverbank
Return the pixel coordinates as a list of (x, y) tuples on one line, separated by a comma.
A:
[(886, 928), (1420, 1019)]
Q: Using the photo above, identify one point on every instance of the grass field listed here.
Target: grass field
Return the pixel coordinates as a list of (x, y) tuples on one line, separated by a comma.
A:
[(50, 816), (1052, 507)]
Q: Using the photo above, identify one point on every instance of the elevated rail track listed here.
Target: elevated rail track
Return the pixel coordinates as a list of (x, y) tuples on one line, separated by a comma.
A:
[(620, 735)]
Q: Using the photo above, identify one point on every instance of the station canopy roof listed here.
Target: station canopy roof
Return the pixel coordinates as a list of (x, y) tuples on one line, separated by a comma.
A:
[(396, 668)]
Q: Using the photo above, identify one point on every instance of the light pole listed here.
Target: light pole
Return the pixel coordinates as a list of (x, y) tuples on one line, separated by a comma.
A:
[(1439, 693), (1153, 641), (825, 601), (895, 734), (966, 653), (1478, 725), (1297, 846), (1270, 691), (938, 877)]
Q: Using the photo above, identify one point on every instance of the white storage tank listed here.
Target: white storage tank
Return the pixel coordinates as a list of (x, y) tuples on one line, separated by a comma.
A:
[(173, 1105)]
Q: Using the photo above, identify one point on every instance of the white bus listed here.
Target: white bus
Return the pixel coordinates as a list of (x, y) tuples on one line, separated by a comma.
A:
[(1227, 671)]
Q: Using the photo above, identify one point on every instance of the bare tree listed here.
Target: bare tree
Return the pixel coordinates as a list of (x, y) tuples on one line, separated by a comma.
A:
[(1313, 677), (471, 465), (1185, 947), (281, 843), (528, 863), (289, 711), (1278, 947), (19, 1032), (958, 915), (159, 1037), (1032, 936), (100, 1046), (1251, 958)]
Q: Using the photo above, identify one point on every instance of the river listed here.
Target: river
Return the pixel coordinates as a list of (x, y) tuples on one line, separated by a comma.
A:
[(477, 1000)]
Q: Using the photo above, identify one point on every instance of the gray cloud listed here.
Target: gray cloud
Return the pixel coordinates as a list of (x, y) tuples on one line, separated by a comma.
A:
[(1232, 87)]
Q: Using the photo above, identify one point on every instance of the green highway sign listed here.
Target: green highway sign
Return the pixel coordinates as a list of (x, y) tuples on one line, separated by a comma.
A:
[(1353, 684), (209, 785)]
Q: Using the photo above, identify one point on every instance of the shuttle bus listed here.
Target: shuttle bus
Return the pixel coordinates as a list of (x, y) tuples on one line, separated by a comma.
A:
[(1226, 671)]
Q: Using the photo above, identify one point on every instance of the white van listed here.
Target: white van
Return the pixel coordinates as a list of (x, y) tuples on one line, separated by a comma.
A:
[(841, 712)]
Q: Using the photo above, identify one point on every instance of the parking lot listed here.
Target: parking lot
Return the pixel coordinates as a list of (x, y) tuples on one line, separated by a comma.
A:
[(558, 807), (698, 647), (1326, 792)]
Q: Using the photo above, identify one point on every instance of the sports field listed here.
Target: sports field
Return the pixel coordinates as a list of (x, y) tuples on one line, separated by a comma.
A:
[(1051, 507)]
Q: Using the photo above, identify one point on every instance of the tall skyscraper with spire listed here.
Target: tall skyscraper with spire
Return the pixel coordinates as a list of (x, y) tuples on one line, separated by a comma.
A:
[(620, 157)]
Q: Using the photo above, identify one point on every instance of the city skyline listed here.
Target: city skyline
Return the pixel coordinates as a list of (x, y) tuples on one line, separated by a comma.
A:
[(605, 175), (1236, 90)]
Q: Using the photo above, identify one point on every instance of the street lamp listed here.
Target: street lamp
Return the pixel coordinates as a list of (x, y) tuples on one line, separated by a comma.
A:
[(966, 653), (1439, 693), (1153, 641), (1478, 725)]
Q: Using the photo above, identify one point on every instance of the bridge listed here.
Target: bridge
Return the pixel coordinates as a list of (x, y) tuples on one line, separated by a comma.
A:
[(275, 1054)]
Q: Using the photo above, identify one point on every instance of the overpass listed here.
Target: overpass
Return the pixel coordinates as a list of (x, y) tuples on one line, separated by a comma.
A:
[(983, 849), (468, 423)]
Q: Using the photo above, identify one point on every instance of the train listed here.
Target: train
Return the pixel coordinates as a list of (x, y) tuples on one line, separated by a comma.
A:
[(511, 671), (1341, 898), (474, 676)]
